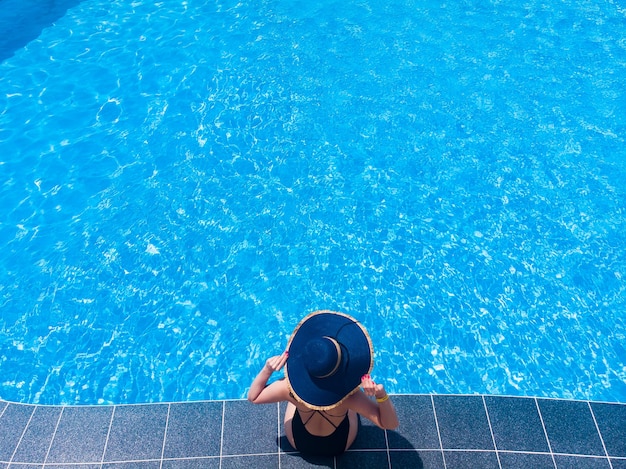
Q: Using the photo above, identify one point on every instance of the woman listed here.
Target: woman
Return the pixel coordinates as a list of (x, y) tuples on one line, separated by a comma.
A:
[(327, 384)]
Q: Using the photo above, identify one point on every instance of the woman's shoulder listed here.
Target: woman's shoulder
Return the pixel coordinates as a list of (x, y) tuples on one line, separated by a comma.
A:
[(353, 399), (359, 402)]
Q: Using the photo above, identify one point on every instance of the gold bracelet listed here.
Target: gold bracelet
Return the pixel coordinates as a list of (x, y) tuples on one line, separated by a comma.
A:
[(382, 399)]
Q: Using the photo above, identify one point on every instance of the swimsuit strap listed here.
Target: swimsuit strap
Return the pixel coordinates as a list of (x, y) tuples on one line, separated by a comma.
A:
[(322, 413), (325, 417)]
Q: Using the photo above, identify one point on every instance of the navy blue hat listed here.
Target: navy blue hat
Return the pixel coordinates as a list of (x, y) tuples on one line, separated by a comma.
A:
[(328, 354)]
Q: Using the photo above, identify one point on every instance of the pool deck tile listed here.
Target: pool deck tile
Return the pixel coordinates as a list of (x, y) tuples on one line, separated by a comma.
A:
[(361, 459), (611, 420), (194, 430), (13, 421), (467, 459), (418, 428), (199, 463), (516, 424), (136, 432), (570, 427), (530, 460), (436, 431), (131, 465), (81, 435), (463, 422), (578, 462), (618, 463), (36, 439), (241, 436), (418, 459)]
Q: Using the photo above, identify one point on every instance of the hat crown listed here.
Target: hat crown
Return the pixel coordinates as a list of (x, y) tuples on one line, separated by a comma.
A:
[(328, 354), (322, 357)]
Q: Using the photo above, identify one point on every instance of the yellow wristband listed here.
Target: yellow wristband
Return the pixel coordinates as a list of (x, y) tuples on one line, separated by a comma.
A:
[(382, 399)]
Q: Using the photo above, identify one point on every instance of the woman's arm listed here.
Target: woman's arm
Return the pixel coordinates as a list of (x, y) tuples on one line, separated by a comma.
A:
[(260, 392), (381, 411)]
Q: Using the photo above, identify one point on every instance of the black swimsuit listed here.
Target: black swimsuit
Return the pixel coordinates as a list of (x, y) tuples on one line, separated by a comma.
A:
[(330, 445)]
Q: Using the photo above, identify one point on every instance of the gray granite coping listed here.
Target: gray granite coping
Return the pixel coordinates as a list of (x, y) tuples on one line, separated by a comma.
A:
[(436, 431)]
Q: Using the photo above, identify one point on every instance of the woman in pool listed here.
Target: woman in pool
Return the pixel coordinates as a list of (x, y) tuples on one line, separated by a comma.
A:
[(327, 384)]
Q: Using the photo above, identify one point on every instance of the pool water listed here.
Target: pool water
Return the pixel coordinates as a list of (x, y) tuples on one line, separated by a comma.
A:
[(182, 181)]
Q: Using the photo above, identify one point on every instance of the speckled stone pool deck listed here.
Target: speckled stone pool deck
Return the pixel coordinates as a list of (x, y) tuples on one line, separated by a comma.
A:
[(436, 431)]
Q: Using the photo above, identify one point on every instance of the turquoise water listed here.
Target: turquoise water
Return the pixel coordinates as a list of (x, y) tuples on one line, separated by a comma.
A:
[(183, 181)]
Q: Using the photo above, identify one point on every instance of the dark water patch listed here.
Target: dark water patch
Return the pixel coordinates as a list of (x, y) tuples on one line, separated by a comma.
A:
[(21, 21)]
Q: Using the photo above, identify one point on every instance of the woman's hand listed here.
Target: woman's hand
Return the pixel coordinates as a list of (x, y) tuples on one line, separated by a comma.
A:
[(276, 362), (370, 388), (259, 392), (382, 413)]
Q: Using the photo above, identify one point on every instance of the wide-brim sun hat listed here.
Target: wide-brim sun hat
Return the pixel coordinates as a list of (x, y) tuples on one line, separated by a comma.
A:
[(329, 353)]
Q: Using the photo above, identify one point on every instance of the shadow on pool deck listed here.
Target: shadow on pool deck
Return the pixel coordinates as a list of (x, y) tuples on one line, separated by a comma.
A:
[(436, 431)]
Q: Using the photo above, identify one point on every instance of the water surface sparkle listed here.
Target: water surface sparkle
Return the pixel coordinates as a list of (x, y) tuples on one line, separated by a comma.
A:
[(183, 181)]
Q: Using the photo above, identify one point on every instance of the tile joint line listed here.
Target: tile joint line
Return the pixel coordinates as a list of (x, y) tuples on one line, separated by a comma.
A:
[(167, 423), (30, 419), (106, 441), (545, 432), (493, 437), (443, 454), (222, 432), (595, 422), (54, 434)]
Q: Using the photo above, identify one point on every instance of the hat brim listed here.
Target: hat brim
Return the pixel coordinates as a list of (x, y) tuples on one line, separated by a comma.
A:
[(357, 353)]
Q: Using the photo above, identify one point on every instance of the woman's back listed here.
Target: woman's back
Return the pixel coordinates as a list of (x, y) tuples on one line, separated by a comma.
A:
[(321, 422)]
